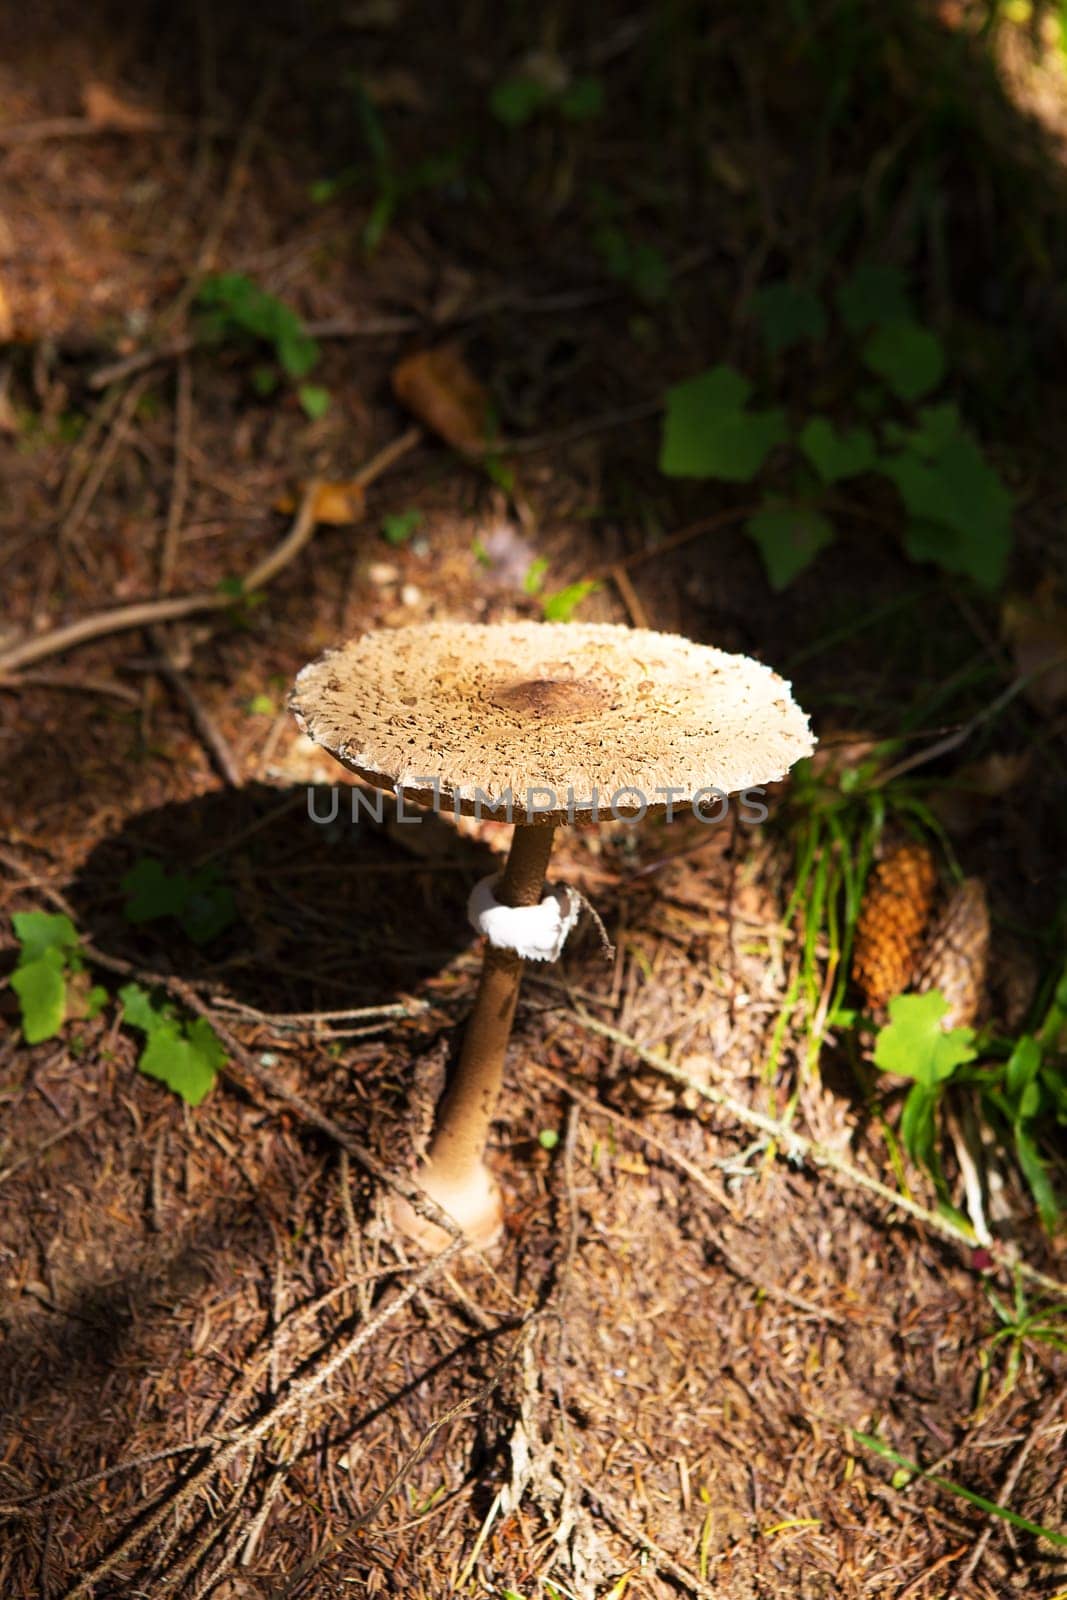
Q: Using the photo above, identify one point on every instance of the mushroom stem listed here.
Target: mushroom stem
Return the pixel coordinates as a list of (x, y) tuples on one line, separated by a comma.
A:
[(466, 1111), (454, 1173)]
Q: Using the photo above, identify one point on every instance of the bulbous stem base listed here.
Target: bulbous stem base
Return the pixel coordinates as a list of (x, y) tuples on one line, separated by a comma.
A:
[(474, 1205)]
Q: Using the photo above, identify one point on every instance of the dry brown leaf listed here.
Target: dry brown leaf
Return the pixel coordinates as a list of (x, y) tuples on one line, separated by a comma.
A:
[(111, 113), (337, 505), (439, 388), (1036, 628)]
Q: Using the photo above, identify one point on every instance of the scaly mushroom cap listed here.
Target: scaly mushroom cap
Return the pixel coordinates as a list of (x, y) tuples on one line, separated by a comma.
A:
[(582, 710)]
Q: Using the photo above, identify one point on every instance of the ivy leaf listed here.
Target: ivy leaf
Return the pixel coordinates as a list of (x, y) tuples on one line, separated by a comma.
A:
[(39, 931), (961, 508), (872, 295), (708, 433), (908, 357), (42, 991), (152, 892), (186, 1064), (788, 313), (914, 1045), (209, 908), (837, 453), (789, 539), (140, 1010), (936, 428)]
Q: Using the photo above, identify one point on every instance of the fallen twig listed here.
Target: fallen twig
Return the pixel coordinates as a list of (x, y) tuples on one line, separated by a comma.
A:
[(175, 349), (207, 729), (46, 1144), (296, 1396), (970, 1566), (793, 1145), (146, 612), (772, 1290)]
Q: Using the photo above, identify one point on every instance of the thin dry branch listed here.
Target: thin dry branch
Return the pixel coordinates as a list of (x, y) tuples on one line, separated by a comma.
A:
[(296, 1395), (143, 613), (820, 1156)]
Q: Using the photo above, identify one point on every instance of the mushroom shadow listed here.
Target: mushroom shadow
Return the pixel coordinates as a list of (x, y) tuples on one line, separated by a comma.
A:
[(291, 899)]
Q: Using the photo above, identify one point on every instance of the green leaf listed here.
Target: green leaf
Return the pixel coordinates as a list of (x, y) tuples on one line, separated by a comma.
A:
[(913, 1044), (837, 454), (1023, 1066), (561, 606), (516, 100), (789, 539), (38, 931), (879, 1446), (534, 580), (708, 433), (262, 705), (314, 399), (398, 526), (873, 294), (202, 905), (907, 356), (238, 305), (961, 508), (918, 1126), (209, 908), (42, 991), (788, 313), (582, 100), (95, 1001), (140, 1010), (548, 1138), (183, 1064), (152, 892), (1035, 1171), (265, 379), (937, 427)]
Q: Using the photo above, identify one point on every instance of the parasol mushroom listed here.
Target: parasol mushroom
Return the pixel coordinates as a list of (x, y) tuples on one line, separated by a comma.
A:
[(537, 724)]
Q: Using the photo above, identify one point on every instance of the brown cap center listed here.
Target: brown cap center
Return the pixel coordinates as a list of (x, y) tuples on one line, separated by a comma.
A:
[(551, 699)]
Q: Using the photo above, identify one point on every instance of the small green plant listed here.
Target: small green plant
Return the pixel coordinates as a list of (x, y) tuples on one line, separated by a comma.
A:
[(398, 526), (561, 605), (201, 905), (1021, 1086), (391, 184), (50, 978), (543, 87), (633, 262), (957, 510), (185, 1055), (1020, 1324), (908, 1471), (234, 309), (913, 1045)]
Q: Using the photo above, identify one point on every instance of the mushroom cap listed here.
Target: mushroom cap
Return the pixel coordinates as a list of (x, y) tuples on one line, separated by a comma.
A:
[(460, 715)]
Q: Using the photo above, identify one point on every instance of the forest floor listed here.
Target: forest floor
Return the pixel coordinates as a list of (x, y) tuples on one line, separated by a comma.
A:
[(221, 1371)]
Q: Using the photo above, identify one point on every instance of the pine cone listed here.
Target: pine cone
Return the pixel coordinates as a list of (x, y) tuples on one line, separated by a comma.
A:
[(892, 921), (957, 954)]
